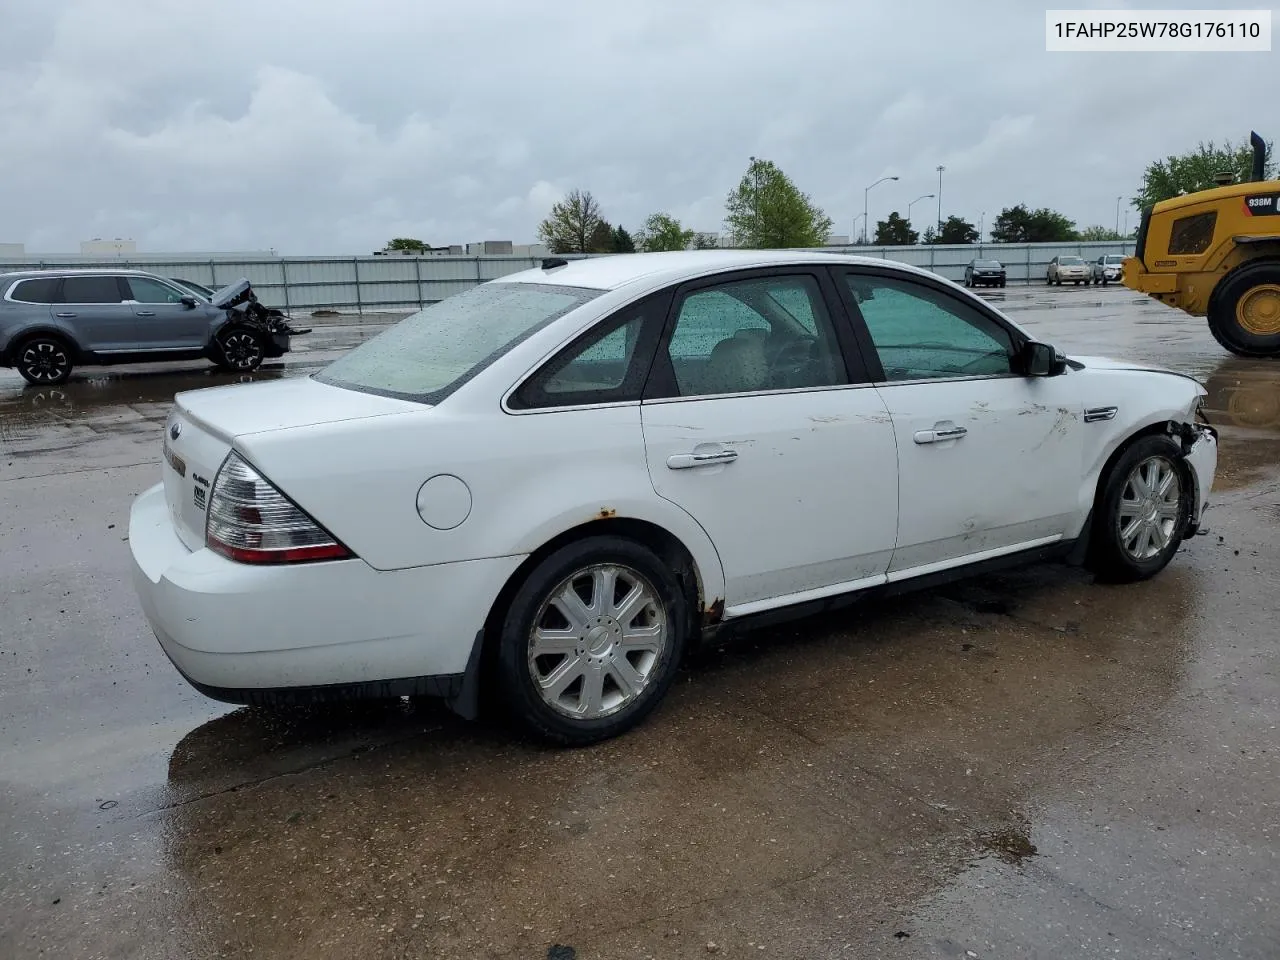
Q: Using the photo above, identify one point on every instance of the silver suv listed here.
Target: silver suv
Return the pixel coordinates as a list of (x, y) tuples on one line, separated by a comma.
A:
[(52, 320)]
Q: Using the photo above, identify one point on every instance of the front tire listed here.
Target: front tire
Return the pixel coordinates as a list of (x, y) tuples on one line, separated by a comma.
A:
[(591, 641), (43, 361), (240, 350), (1244, 315), (1144, 505)]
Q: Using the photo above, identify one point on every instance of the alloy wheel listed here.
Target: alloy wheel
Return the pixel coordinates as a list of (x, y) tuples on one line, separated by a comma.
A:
[(596, 641), (1150, 508), (44, 361), (242, 350)]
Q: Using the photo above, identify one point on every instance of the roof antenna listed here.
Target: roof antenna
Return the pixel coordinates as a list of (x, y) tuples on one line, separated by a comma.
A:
[(550, 263)]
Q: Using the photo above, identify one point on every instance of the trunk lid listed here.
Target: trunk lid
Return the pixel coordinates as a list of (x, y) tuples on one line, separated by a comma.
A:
[(203, 425)]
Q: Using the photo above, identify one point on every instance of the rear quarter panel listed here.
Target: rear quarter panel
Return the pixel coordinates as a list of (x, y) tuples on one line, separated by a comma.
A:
[(20, 320), (531, 478)]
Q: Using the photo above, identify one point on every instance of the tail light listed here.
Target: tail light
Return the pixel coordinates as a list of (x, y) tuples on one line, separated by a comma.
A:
[(250, 521)]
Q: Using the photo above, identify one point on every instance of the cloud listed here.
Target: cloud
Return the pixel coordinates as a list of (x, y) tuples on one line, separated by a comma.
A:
[(314, 126)]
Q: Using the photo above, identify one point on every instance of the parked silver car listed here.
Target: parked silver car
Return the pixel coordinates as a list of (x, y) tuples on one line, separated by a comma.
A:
[(54, 320), (1066, 269)]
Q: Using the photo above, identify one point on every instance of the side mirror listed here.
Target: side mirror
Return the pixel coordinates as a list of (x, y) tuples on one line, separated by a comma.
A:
[(1040, 360), (188, 302)]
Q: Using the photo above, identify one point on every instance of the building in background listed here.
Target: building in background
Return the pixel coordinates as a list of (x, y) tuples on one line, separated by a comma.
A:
[(97, 247)]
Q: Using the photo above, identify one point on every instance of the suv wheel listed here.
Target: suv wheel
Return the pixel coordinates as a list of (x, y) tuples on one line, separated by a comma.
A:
[(240, 350), (43, 360)]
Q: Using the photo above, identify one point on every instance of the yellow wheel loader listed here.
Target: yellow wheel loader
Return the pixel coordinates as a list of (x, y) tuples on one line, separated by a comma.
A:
[(1216, 254)]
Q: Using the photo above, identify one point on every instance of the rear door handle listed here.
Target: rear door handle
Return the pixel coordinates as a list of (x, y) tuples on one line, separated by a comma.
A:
[(938, 435), (144, 313), (65, 314), (683, 461)]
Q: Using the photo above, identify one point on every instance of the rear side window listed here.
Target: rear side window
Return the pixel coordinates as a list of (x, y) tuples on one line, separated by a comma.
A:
[(91, 290), (43, 290), (607, 365), (1193, 234)]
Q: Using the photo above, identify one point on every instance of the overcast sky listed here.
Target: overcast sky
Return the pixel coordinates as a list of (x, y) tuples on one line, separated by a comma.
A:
[(329, 126)]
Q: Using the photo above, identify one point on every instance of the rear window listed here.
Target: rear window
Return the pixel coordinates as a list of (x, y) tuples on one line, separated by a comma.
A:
[(42, 290), (428, 355)]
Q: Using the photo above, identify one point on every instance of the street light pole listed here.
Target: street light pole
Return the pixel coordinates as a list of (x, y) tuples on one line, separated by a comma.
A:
[(1117, 214), (853, 236), (940, 169), (982, 219), (866, 191), (924, 196)]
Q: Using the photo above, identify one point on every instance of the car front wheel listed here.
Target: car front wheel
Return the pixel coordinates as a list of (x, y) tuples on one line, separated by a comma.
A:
[(43, 361), (591, 640), (239, 350), (1142, 511)]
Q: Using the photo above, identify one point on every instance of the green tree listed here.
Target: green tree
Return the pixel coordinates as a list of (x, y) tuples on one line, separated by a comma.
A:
[(1020, 225), (622, 242), (705, 241), (1196, 170), (571, 224), (663, 232), (955, 230), (407, 243), (767, 211), (601, 238), (1099, 233), (895, 232)]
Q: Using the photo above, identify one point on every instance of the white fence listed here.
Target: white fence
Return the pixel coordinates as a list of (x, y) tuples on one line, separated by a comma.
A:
[(399, 283)]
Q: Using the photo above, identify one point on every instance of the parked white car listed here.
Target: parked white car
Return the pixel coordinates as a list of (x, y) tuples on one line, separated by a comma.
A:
[(559, 480), (1107, 269)]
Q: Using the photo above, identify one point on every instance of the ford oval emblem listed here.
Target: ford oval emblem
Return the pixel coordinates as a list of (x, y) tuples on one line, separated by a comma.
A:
[(175, 430)]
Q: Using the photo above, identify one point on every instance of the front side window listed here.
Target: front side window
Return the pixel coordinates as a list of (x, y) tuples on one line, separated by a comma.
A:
[(91, 290), (432, 352), (146, 290), (42, 290), (921, 333), (765, 333)]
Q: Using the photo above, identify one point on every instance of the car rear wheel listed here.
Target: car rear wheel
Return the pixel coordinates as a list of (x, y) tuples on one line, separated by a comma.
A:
[(591, 640), (240, 349), (1244, 315), (43, 360), (1142, 511)]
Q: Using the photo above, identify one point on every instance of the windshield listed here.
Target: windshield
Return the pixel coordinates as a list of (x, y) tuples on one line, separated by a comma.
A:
[(1070, 261), (987, 264), (1114, 258), (193, 287), (429, 354)]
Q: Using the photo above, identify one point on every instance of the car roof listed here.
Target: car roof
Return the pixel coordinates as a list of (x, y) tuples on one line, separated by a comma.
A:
[(78, 271), (613, 271)]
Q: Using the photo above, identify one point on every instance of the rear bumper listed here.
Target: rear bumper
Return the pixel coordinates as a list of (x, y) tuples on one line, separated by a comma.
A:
[(307, 631)]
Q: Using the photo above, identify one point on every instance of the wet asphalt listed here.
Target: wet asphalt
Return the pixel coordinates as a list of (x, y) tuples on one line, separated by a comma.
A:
[(1022, 765)]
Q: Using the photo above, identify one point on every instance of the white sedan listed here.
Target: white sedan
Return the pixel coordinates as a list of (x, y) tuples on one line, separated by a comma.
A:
[(557, 481)]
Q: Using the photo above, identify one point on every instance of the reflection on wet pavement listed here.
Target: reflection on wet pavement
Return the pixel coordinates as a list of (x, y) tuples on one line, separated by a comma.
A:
[(1023, 765)]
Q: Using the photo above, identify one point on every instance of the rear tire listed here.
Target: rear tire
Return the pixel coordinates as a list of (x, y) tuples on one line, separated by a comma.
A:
[(1142, 510), (1244, 314), (240, 350), (602, 670), (43, 360)]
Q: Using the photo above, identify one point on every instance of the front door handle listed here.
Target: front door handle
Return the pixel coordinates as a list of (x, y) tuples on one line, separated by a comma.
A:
[(683, 461), (939, 433), (65, 314), (144, 313)]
